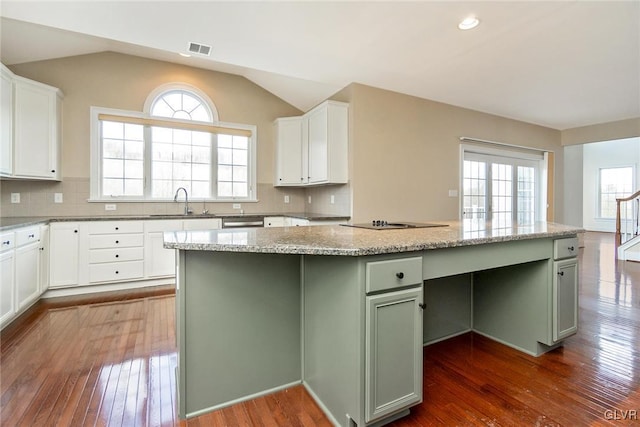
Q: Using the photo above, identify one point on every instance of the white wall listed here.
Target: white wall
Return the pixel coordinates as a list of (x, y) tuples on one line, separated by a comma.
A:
[(616, 153)]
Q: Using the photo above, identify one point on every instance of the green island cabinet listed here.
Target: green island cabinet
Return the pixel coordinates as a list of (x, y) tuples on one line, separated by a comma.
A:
[(351, 326)]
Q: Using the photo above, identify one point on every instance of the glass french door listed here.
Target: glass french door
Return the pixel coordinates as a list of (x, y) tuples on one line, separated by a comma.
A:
[(502, 190)]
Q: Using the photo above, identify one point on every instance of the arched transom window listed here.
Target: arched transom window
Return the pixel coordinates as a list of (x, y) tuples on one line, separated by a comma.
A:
[(179, 142)]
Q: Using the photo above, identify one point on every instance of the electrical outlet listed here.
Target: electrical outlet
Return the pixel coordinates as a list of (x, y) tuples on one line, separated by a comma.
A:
[(332, 199), (237, 206), (453, 193), (309, 199), (57, 197), (110, 207), (15, 197), (286, 199)]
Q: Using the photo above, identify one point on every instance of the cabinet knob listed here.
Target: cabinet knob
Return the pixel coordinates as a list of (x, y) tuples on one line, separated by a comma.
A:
[(117, 272), (117, 256), (571, 248), (400, 275), (423, 305), (560, 273), (117, 228), (53, 171), (75, 231), (117, 241)]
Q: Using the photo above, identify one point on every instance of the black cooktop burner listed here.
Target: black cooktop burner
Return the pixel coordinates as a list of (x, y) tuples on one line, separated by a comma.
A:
[(385, 225)]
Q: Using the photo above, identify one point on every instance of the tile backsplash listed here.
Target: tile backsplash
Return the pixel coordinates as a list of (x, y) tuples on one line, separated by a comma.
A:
[(38, 198)]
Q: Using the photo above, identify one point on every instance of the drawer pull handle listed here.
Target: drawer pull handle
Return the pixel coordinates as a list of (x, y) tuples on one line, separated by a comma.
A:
[(571, 248), (560, 273), (423, 306), (400, 275), (32, 236), (6, 242)]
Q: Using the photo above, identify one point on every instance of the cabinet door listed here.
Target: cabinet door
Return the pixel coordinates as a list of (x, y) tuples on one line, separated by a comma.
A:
[(318, 145), (565, 299), (35, 130), (7, 286), (288, 151), (6, 122), (44, 258), (64, 254), (27, 274), (393, 366)]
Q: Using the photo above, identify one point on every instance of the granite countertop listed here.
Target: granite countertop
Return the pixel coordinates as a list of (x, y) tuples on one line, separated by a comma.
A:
[(349, 241), (8, 223)]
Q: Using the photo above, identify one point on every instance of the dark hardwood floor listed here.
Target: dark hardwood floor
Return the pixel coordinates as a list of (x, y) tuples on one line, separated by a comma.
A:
[(110, 361)]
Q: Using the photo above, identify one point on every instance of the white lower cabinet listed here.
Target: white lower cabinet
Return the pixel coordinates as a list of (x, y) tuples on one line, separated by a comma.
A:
[(7, 277), (158, 261), (44, 258), (27, 274), (20, 271), (64, 254)]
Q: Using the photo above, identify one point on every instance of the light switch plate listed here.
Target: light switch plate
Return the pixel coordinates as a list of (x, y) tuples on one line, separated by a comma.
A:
[(15, 197), (286, 199), (332, 199), (453, 193), (57, 197)]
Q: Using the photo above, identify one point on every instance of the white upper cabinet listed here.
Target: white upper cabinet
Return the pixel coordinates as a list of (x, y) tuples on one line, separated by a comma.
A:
[(289, 151), (313, 149), (33, 142), (6, 122)]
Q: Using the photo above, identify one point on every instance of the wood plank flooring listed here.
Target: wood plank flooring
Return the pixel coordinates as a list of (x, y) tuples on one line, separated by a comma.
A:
[(110, 361)]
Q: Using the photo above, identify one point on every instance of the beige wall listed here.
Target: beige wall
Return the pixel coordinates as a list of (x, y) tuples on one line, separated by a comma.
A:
[(602, 132), (406, 153), (120, 81)]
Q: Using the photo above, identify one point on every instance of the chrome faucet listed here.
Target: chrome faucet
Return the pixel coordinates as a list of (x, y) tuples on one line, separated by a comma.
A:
[(187, 211)]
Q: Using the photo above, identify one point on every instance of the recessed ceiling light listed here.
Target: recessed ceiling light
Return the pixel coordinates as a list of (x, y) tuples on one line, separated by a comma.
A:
[(186, 55), (469, 23)]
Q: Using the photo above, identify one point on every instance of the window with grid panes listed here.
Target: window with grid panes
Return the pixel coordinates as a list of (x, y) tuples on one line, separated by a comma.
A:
[(501, 188), (614, 183), (148, 158)]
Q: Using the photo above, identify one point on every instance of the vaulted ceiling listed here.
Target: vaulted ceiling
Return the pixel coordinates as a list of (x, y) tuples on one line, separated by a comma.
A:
[(560, 64)]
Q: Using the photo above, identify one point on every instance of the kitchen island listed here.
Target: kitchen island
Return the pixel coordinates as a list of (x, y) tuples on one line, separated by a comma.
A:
[(346, 311)]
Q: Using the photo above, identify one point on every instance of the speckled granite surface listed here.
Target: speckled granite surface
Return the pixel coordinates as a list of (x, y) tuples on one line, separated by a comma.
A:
[(349, 241), (17, 222)]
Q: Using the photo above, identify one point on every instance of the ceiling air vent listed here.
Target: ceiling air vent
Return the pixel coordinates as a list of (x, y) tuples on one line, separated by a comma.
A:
[(201, 49)]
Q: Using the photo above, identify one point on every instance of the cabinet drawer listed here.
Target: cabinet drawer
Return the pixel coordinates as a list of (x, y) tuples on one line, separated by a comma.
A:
[(7, 241), (28, 235), (565, 248), (115, 271), (393, 273), (115, 227), (106, 241), (115, 255)]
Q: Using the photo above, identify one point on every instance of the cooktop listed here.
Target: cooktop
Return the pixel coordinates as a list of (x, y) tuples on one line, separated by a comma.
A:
[(385, 225)]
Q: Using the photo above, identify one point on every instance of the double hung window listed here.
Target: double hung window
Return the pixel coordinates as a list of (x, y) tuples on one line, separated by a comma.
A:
[(614, 183), (142, 157)]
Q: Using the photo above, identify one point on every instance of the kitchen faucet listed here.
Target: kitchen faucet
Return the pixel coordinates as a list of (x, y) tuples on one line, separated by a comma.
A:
[(187, 211)]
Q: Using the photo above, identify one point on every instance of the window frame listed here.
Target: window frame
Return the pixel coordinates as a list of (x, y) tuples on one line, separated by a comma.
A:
[(95, 176), (514, 156), (599, 188)]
